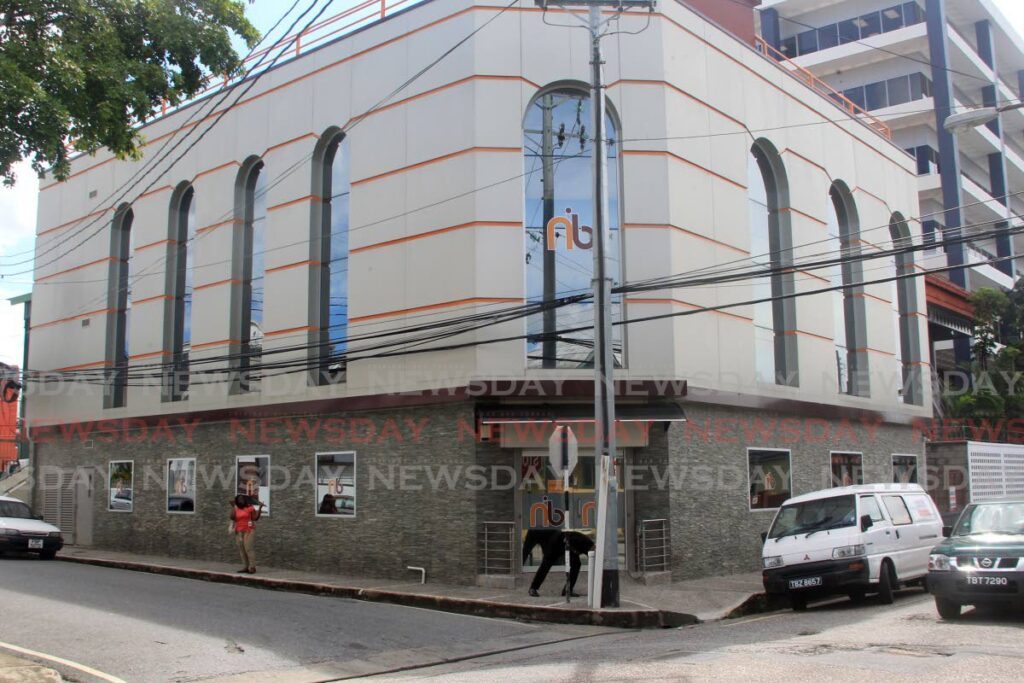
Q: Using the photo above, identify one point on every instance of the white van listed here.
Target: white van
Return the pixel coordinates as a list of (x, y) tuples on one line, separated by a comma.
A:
[(851, 540)]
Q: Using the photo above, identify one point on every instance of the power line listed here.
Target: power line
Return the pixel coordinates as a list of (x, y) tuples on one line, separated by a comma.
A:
[(153, 160), (249, 84), (472, 323)]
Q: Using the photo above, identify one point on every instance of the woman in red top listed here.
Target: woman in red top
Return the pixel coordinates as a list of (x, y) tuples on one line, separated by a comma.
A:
[(244, 516)]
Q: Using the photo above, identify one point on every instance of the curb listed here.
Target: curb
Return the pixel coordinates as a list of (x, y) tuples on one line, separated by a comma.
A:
[(626, 619)]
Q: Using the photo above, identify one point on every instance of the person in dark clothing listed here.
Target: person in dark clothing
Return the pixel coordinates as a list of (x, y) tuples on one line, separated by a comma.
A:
[(552, 544)]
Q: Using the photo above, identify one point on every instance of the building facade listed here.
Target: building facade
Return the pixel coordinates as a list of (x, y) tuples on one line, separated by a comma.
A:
[(365, 308), (912, 64)]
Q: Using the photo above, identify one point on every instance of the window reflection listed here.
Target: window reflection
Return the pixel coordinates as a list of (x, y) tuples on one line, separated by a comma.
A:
[(559, 229)]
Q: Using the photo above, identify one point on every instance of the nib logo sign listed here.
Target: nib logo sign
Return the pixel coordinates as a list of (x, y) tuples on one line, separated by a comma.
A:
[(573, 231)]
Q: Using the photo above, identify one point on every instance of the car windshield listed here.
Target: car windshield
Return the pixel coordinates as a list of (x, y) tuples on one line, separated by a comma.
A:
[(14, 510), (991, 518), (814, 515)]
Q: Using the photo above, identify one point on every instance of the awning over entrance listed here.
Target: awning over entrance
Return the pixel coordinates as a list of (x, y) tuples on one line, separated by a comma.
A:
[(530, 426), (579, 412)]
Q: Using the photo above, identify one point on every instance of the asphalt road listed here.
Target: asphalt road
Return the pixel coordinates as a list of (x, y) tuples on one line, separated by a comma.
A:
[(832, 642), (143, 627)]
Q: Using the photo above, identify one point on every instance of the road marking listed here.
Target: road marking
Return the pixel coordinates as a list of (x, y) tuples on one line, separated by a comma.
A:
[(64, 662), (747, 621)]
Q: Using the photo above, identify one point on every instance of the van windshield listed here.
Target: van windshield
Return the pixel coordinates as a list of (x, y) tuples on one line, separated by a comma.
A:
[(815, 515)]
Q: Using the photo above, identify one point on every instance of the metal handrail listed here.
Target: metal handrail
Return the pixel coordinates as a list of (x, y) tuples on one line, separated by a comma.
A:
[(497, 542), (654, 545), (805, 76)]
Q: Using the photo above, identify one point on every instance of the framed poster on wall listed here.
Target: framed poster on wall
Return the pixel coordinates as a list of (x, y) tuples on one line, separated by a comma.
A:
[(181, 485), (120, 481), (252, 479), (336, 484)]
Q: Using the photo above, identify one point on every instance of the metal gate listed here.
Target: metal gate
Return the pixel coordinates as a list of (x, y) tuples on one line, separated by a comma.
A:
[(58, 497)]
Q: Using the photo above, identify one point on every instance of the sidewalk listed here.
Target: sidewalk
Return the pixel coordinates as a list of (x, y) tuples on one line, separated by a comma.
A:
[(660, 606), (17, 670)]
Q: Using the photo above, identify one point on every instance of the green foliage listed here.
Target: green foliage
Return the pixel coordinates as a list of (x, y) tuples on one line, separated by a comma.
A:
[(997, 371), (990, 308), (83, 73)]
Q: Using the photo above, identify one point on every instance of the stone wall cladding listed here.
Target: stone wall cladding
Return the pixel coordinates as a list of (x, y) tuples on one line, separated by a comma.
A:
[(947, 466), (393, 528), (713, 529)]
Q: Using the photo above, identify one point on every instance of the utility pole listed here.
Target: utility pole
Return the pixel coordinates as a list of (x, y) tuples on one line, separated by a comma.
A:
[(549, 346), (606, 583)]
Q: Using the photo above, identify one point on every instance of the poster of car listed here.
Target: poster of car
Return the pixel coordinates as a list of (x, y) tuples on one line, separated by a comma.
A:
[(181, 485), (252, 479), (336, 484), (120, 478)]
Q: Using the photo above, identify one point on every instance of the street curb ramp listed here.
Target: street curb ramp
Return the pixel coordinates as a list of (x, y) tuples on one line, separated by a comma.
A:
[(626, 619)]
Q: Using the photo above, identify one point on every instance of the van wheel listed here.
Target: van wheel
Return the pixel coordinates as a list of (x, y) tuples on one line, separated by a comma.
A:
[(798, 603), (47, 554), (947, 609), (886, 584)]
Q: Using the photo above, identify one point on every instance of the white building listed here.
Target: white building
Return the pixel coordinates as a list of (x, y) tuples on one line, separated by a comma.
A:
[(911, 64), (429, 206)]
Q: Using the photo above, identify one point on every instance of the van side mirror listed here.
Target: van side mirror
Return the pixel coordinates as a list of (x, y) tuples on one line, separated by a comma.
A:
[(764, 537), (947, 531), (38, 518), (866, 522)]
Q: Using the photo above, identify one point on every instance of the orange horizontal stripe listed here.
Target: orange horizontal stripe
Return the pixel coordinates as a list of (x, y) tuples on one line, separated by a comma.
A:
[(158, 297), (439, 231), (435, 160), (80, 267), (208, 228), (768, 82), (305, 328), (83, 366), (872, 195), (152, 354), (808, 216), (801, 333), (72, 222), (156, 191), (303, 77), (808, 161), (100, 311), (656, 226), (218, 283), (279, 145), (865, 295), (680, 91), (155, 244), (205, 345), (920, 362), (684, 304), (434, 307), (297, 264), (673, 155), (215, 169), (813, 276), (868, 349), (300, 200)]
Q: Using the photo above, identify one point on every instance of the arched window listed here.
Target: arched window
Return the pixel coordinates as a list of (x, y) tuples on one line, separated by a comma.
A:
[(908, 339), (558, 228), (847, 303), (251, 271), (330, 244), (771, 247), (181, 267), (120, 301)]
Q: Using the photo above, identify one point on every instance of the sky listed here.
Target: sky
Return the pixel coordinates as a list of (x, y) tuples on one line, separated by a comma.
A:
[(18, 204)]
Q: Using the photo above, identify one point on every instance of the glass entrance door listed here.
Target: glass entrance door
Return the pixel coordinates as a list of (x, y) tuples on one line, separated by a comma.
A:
[(542, 503)]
